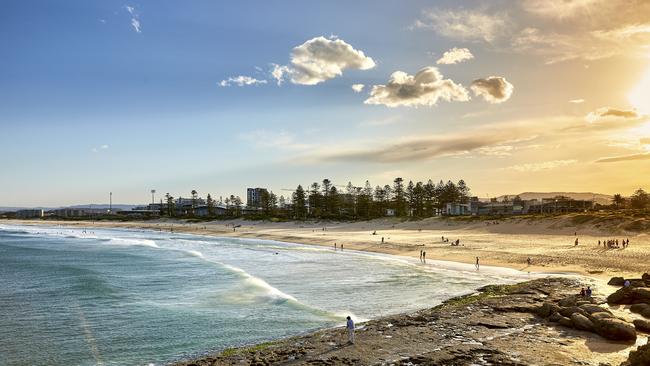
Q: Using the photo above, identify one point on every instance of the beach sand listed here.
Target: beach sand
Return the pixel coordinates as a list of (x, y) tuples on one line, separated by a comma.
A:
[(548, 242)]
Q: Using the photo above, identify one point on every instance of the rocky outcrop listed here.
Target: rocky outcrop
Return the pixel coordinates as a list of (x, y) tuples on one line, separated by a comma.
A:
[(644, 281), (630, 295), (642, 325), (643, 309), (640, 357), (582, 313)]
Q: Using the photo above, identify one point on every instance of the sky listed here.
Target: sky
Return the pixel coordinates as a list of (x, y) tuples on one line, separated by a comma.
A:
[(511, 96)]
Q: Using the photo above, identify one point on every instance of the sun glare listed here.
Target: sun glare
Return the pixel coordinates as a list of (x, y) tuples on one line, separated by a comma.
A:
[(640, 95)]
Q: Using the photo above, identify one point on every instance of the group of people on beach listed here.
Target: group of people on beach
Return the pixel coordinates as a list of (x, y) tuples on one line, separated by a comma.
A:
[(614, 243), (423, 256), (454, 243), (585, 292)]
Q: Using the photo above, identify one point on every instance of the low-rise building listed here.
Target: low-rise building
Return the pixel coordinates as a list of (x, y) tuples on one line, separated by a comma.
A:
[(29, 214)]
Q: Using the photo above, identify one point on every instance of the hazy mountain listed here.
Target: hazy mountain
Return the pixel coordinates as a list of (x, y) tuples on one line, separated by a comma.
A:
[(603, 199)]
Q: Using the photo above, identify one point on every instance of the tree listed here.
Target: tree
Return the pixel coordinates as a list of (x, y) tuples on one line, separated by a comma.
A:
[(639, 199), (315, 199), (299, 202), (463, 191), (398, 192), (618, 200), (170, 205), (210, 203)]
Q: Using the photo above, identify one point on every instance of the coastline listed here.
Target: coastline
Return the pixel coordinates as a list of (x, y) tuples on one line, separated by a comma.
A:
[(473, 337), (508, 244)]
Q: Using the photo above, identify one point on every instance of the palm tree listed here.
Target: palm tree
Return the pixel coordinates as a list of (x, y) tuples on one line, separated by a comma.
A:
[(618, 200)]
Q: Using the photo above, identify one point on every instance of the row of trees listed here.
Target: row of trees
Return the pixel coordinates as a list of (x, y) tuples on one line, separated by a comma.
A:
[(401, 199), (639, 199)]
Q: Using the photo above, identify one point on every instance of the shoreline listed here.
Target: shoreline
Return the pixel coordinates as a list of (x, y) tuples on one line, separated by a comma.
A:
[(309, 345), (506, 245)]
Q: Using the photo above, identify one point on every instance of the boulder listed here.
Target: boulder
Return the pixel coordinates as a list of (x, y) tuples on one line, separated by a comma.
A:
[(591, 308), (616, 281), (630, 295), (555, 317), (643, 309), (546, 309), (615, 329), (568, 311), (565, 322), (569, 301), (642, 325), (582, 322), (600, 315), (646, 277), (640, 357)]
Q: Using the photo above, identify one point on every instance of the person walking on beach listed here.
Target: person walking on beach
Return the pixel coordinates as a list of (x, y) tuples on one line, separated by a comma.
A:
[(335, 247), (350, 327), (576, 243), (382, 240), (420, 255), (528, 261), (477, 264), (424, 257)]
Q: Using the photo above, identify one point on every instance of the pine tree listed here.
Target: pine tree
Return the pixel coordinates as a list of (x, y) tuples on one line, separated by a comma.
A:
[(210, 203), (299, 202)]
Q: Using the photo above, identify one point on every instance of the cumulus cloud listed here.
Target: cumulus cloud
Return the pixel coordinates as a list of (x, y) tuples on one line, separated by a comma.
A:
[(611, 114), (320, 59), (577, 101), (454, 56), (614, 159), (358, 88), (426, 87), (465, 24), (545, 165), (241, 80), (135, 18), (494, 89)]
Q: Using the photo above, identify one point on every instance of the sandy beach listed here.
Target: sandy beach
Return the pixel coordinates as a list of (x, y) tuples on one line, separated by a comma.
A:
[(548, 242)]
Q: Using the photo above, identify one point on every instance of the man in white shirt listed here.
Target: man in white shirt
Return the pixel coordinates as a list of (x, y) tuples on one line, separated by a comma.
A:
[(350, 328)]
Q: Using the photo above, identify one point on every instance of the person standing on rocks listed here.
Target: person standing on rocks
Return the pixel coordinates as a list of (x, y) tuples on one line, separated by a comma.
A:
[(350, 327), (588, 291)]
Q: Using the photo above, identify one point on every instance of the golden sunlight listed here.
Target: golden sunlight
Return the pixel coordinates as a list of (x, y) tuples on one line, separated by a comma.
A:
[(640, 95)]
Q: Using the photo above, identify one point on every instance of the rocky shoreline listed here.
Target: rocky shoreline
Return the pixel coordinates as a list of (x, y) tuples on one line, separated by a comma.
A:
[(539, 322)]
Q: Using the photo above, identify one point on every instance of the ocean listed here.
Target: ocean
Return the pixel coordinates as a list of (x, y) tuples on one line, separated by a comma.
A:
[(88, 296)]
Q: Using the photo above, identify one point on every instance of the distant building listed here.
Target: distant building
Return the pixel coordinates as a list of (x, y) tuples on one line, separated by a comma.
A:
[(254, 197), (29, 214), (78, 212), (458, 209), (390, 212)]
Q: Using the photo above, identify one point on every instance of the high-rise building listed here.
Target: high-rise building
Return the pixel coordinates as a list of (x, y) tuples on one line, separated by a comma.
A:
[(254, 197)]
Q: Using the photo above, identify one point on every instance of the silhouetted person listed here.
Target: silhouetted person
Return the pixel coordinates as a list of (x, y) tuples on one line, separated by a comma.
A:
[(477, 264), (350, 327)]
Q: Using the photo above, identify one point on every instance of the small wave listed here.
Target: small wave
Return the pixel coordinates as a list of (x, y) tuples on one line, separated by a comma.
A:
[(133, 241), (257, 288), (195, 253)]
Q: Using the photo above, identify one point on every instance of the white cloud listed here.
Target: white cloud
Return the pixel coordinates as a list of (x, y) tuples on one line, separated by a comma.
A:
[(545, 165), (465, 24), (320, 59), (577, 101), (104, 147), (135, 23), (559, 9), (494, 89), (358, 88), (426, 87), (454, 56), (135, 18), (498, 150), (241, 80)]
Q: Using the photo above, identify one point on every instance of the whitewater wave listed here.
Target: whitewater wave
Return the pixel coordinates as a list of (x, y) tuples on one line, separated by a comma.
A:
[(133, 241)]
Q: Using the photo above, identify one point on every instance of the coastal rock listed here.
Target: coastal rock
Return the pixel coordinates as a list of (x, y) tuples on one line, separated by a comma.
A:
[(642, 325), (601, 315), (643, 309), (564, 321), (616, 281), (547, 309), (646, 277), (640, 357), (615, 329), (630, 295), (582, 322), (592, 308), (555, 317), (568, 311)]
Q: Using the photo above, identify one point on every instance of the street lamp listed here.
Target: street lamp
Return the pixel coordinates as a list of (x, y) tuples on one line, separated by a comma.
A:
[(153, 191)]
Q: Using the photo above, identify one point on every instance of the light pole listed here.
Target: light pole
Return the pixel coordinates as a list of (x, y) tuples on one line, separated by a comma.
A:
[(110, 202), (153, 191)]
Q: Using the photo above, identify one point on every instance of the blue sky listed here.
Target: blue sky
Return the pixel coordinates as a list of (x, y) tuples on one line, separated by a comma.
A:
[(126, 97)]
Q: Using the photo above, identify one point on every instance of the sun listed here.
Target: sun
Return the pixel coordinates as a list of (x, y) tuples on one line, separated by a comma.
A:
[(639, 97)]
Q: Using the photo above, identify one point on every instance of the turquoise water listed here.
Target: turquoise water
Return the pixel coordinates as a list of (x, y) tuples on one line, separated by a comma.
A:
[(123, 297)]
